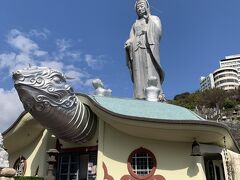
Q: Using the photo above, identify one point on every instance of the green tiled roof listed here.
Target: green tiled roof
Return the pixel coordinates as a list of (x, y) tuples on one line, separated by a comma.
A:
[(145, 109)]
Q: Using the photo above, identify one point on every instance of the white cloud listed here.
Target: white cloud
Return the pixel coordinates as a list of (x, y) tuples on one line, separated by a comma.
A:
[(63, 44), (88, 82), (23, 58), (41, 34), (26, 51), (77, 75), (17, 40), (24, 44), (29, 52), (11, 108), (65, 50), (53, 64), (73, 54), (94, 62), (13, 61), (39, 53), (7, 60)]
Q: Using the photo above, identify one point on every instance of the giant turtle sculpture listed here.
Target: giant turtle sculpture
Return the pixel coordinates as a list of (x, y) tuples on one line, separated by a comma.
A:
[(46, 95)]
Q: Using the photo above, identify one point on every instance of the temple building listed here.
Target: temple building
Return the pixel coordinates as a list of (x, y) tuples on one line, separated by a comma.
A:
[(71, 136), (162, 141)]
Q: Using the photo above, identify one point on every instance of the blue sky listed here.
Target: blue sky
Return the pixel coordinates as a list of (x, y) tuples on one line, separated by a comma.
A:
[(85, 39)]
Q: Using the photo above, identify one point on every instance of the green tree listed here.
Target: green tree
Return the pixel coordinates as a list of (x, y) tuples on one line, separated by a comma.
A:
[(229, 103), (187, 100), (213, 98)]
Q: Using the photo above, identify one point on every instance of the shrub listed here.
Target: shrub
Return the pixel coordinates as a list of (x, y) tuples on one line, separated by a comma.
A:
[(229, 104)]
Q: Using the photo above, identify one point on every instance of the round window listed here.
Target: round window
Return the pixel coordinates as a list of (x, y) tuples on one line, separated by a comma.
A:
[(141, 163)]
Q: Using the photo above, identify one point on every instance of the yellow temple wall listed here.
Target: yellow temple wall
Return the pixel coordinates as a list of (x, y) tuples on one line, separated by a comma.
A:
[(35, 154), (173, 158)]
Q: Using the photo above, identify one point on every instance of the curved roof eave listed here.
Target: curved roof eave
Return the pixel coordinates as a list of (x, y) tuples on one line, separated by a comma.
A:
[(22, 132), (14, 123), (90, 101)]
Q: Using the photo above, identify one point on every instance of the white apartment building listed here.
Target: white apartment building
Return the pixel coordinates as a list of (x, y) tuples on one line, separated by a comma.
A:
[(231, 61), (207, 82), (226, 78)]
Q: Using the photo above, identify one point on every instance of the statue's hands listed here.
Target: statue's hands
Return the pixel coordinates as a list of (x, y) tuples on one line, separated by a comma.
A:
[(144, 32)]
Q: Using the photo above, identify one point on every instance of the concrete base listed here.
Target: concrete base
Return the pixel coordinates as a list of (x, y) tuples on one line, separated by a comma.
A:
[(7, 173)]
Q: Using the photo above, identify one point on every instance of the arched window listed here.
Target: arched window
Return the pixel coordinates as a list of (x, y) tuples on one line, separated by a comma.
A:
[(20, 166)]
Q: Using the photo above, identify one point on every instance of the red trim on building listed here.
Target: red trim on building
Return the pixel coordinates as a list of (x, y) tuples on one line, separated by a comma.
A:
[(129, 166), (134, 176), (106, 175)]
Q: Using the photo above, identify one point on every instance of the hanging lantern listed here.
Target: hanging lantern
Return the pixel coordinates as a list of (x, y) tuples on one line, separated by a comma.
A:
[(196, 149)]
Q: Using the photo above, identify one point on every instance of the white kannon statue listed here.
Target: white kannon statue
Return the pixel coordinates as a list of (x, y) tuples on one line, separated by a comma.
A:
[(142, 50)]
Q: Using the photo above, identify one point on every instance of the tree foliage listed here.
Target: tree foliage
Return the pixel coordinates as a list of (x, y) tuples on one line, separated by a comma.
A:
[(229, 103), (214, 104), (212, 98), (187, 100)]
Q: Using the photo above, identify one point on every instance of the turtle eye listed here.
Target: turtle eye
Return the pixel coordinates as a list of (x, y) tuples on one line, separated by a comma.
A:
[(57, 79)]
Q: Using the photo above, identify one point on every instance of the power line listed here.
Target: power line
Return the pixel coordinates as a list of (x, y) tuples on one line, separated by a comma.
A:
[(156, 9), (159, 11)]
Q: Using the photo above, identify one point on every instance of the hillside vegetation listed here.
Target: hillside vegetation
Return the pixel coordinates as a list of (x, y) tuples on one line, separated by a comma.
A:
[(214, 104), (212, 98)]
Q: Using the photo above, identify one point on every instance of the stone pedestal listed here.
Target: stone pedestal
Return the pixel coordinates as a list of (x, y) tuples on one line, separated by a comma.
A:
[(7, 173), (51, 164)]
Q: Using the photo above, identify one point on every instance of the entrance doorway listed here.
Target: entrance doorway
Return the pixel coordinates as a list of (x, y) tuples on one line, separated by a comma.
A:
[(77, 166), (214, 167)]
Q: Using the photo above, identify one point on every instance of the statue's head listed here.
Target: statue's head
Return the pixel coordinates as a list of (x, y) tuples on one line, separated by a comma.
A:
[(142, 8), (41, 87)]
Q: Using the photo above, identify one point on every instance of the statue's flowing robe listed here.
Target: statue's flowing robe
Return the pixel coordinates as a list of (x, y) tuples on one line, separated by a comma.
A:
[(143, 55)]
